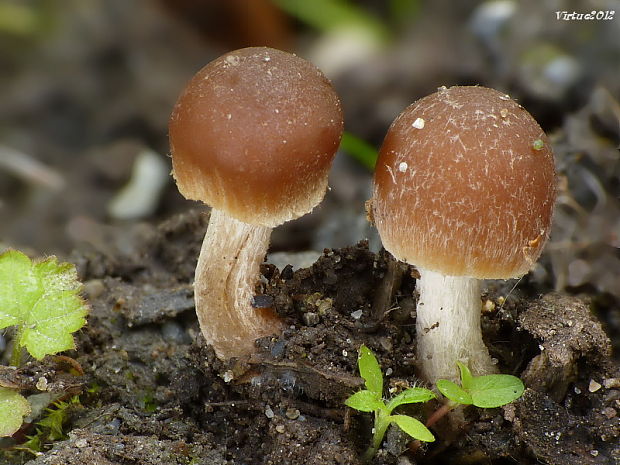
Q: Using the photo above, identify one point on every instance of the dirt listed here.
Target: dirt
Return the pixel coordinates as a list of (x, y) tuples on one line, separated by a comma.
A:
[(153, 392)]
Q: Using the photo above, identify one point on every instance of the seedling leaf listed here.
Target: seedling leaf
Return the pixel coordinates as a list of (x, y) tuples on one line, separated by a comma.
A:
[(370, 371), (466, 376), (17, 284), (495, 390), (13, 408), (454, 392), (413, 427), (359, 149), (411, 396), (42, 299), (365, 401)]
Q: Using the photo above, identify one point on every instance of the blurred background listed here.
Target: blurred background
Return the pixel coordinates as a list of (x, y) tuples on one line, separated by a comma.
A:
[(86, 88)]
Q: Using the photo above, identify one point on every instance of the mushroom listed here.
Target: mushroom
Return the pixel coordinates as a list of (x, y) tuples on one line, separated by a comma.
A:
[(253, 135), (464, 189)]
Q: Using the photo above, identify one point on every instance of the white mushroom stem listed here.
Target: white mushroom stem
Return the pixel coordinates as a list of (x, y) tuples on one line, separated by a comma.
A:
[(448, 326), (226, 275)]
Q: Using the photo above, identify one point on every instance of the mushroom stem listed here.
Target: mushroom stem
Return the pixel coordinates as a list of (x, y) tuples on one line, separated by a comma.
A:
[(226, 275), (448, 326)]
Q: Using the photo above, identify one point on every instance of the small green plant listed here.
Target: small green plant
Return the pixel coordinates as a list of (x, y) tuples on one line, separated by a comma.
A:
[(41, 301), (371, 400), (487, 391), (50, 427), (360, 150)]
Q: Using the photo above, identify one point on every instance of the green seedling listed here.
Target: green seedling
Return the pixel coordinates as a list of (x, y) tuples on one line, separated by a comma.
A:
[(371, 400), (359, 149), (41, 301), (487, 391), (50, 427), (330, 15)]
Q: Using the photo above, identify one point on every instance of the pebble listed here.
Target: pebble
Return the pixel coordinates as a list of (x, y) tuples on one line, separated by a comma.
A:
[(81, 443), (609, 412), (278, 349), (262, 301), (93, 288), (174, 332), (140, 197), (386, 344), (488, 306), (280, 429), (594, 386), (269, 412), (42, 383), (310, 318), (292, 413)]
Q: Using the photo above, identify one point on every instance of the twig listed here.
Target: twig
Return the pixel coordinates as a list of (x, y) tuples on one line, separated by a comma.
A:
[(30, 169)]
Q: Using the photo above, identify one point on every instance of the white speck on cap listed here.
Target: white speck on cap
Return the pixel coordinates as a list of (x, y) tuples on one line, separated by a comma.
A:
[(418, 123)]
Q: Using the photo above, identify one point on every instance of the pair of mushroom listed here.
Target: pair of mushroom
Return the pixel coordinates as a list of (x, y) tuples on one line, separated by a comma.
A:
[(464, 189)]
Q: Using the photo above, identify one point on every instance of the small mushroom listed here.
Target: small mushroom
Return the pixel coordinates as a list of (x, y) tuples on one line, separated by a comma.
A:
[(474, 201), (253, 135)]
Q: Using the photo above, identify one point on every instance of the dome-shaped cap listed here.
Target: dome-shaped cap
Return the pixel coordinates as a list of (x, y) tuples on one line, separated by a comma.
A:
[(465, 185), (254, 134)]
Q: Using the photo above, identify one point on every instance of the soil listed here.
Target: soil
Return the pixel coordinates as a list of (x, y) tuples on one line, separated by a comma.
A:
[(152, 392)]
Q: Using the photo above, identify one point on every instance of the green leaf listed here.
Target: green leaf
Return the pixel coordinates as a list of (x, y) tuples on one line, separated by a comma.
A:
[(495, 390), (34, 442), (454, 392), (327, 15), (17, 284), (42, 299), (370, 371), (411, 396), (359, 149), (54, 419), (13, 408), (365, 401), (413, 427), (466, 376)]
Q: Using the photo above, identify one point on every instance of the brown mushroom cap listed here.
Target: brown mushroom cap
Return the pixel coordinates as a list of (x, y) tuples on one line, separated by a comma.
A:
[(254, 134), (465, 185)]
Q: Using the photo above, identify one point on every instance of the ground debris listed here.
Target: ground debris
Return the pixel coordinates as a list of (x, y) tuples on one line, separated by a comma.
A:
[(555, 435), (52, 375), (567, 332)]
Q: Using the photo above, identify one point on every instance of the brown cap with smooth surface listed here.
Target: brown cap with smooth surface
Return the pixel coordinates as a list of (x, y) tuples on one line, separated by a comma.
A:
[(465, 185), (254, 134)]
